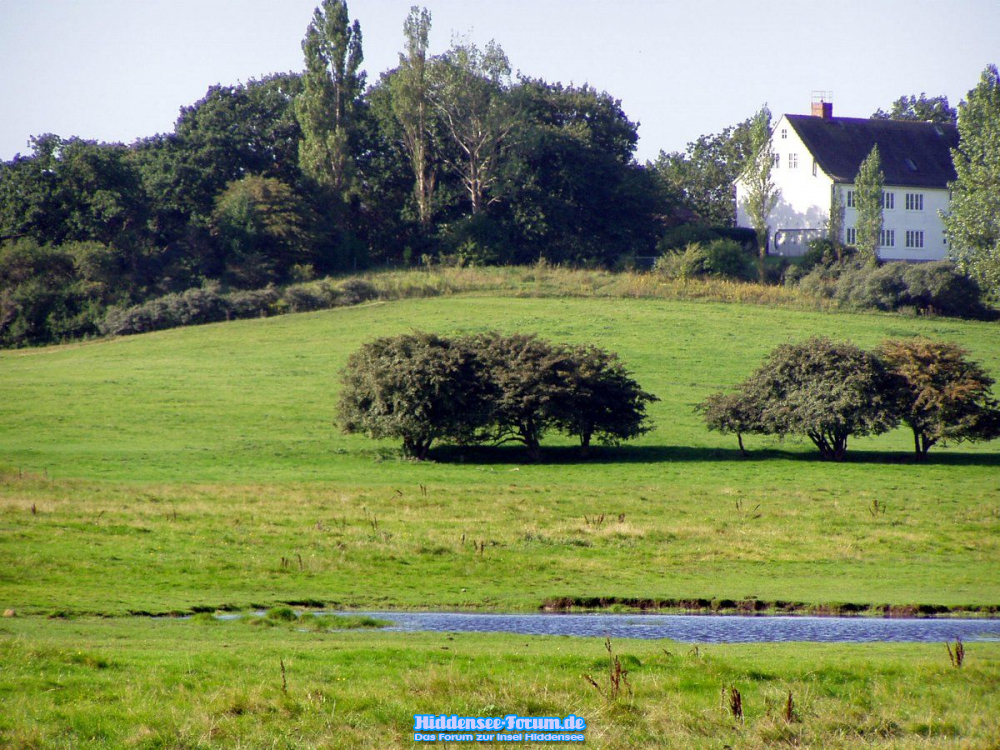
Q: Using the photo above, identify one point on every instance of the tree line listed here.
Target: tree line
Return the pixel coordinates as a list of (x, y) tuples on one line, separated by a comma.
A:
[(488, 388), (300, 175), (445, 157)]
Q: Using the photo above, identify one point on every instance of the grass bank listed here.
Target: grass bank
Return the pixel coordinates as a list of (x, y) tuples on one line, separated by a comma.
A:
[(171, 683)]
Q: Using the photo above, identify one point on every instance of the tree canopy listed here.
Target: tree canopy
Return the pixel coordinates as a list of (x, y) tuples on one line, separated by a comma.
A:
[(824, 390), (921, 108), (943, 395)]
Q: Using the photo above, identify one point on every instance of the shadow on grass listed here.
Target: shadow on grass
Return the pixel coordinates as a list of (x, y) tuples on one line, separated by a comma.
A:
[(651, 454)]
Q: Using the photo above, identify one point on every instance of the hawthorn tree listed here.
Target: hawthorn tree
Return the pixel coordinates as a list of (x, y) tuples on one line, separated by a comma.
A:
[(943, 396), (529, 379), (737, 413), (825, 390), (417, 387), (602, 400)]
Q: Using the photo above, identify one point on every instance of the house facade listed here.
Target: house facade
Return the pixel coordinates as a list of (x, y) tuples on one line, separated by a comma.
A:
[(818, 154)]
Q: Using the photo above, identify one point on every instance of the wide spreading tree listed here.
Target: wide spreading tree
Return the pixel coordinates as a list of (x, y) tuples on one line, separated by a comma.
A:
[(824, 390)]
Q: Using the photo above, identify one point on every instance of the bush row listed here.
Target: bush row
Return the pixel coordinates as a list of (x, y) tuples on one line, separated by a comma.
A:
[(211, 305), (936, 287)]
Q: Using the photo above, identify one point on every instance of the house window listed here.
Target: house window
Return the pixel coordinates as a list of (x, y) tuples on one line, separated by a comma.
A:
[(814, 168), (887, 238), (850, 199), (914, 238), (793, 161), (888, 200), (777, 160), (784, 133), (852, 236), (914, 202)]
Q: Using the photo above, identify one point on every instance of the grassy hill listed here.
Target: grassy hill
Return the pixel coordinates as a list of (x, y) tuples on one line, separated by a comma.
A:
[(199, 468), (202, 467)]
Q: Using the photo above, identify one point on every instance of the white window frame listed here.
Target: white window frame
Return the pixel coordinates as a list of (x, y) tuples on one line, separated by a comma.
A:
[(915, 239), (793, 161), (887, 238), (784, 133), (914, 201), (850, 199), (888, 200), (851, 236)]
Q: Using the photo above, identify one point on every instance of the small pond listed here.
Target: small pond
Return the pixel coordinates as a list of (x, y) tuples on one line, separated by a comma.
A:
[(700, 628)]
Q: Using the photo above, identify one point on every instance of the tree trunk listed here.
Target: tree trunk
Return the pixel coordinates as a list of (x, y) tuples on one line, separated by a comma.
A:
[(585, 444), (739, 439)]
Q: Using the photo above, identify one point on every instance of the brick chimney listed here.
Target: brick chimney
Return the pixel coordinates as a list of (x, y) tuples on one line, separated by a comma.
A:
[(821, 106)]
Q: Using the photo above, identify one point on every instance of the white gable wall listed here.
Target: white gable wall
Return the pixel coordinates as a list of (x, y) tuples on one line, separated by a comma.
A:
[(803, 207)]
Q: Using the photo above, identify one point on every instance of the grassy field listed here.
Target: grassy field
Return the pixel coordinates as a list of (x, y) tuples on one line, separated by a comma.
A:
[(173, 683), (200, 468)]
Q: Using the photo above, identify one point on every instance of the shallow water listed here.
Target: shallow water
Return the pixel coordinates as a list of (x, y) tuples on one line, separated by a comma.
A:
[(699, 628)]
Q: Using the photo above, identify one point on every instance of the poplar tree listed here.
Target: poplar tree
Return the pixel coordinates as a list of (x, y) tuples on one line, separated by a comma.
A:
[(411, 106), (762, 194), (973, 219), (836, 225), (332, 86), (868, 203)]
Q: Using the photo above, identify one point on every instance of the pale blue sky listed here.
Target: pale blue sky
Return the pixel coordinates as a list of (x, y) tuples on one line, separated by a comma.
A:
[(117, 70)]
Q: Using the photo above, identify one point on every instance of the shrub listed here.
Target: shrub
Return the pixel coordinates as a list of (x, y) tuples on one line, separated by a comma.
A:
[(356, 291), (939, 287), (677, 238), (878, 287), (416, 387), (720, 258), (252, 303)]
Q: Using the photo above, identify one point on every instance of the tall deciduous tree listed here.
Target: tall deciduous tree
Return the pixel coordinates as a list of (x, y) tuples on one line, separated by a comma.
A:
[(470, 94), (410, 88), (943, 396), (701, 178), (332, 86), (868, 203), (919, 109), (973, 219), (762, 194)]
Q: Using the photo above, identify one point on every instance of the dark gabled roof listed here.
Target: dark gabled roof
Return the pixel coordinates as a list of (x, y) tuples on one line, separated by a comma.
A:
[(916, 154)]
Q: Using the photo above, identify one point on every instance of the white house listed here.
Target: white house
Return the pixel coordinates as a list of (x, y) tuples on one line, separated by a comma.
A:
[(819, 153)]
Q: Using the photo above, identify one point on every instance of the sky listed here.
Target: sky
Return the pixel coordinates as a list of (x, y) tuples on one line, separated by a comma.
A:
[(118, 70)]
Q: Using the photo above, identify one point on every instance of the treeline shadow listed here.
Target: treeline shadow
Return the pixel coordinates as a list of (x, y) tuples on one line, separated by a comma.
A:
[(564, 455)]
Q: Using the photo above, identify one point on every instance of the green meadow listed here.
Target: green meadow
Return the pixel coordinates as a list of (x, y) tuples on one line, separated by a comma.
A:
[(200, 469)]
